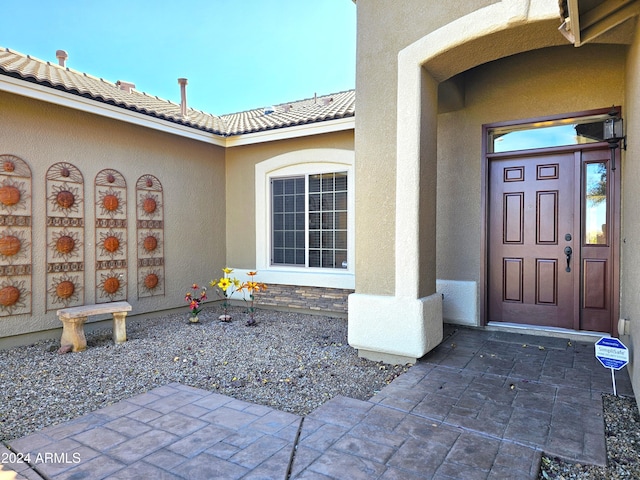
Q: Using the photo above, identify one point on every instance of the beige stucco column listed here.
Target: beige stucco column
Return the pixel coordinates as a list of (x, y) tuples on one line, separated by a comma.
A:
[(409, 323), (403, 327)]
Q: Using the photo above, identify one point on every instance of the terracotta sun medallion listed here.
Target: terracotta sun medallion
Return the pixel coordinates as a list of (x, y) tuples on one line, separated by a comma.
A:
[(151, 281), (111, 244), (111, 285), (9, 195), (150, 243), (9, 245), (65, 199), (110, 202), (65, 244), (149, 205), (65, 289), (9, 296), (8, 166)]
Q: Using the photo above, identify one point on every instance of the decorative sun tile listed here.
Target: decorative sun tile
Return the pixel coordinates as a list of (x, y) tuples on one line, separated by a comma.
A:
[(15, 236), (111, 236), (150, 236), (65, 236)]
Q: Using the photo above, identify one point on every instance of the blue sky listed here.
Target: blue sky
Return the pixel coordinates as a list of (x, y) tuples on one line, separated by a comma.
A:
[(237, 55)]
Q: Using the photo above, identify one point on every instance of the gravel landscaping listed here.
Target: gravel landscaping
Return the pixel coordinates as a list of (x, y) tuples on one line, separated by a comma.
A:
[(289, 361)]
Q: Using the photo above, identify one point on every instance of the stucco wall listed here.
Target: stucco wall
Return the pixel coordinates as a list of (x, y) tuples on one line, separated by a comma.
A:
[(379, 41), (543, 82), (630, 247), (240, 201), (382, 33), (192, 177)]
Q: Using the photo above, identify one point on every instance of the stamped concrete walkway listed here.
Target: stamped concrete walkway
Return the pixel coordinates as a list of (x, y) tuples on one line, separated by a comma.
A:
[(483, 405)]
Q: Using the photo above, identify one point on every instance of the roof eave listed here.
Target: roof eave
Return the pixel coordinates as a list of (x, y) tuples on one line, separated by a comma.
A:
[(297, 131), (44, 91), (89, 104)]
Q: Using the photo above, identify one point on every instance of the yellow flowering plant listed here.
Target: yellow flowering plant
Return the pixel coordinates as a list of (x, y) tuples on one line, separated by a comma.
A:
[(226, 286), (251, 286)]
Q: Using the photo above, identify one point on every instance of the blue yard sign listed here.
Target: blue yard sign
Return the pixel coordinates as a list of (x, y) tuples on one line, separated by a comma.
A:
[(613, 354)]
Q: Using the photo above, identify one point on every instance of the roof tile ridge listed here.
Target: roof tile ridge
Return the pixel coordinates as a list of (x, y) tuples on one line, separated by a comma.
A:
[(225, 127)]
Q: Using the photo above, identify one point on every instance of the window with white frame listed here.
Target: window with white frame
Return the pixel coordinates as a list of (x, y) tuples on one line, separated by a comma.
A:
[(309, 220), (305, 207)]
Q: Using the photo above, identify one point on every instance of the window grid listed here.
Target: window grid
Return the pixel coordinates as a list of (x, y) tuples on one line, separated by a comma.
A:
[(288, 223), (328, 220), (318, 238)]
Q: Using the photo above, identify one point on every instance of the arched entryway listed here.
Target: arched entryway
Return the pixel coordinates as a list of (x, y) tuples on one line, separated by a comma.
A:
[(503, 30)]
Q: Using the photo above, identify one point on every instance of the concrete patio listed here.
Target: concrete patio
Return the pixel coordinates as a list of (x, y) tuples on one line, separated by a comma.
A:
[(483, 405)]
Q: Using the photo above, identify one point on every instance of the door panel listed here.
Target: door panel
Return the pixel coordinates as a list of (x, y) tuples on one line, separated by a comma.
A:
[(513, 218), (595, 282), (546, 282), (531, 208), (547, 221), (513, 281)]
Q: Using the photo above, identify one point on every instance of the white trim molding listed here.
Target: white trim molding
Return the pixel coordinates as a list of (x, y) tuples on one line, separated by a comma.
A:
[(296, 131), (285, 276), (307, 161)]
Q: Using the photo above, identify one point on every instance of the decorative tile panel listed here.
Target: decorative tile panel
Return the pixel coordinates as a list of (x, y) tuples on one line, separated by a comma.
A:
[(150, 236), (111, 236), (65, 236), (15, 236)]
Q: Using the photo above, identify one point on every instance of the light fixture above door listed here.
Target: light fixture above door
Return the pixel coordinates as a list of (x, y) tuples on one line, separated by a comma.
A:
[(614, 134)]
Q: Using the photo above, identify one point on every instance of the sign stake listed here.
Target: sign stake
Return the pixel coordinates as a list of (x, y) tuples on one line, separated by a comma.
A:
[(613, 381)]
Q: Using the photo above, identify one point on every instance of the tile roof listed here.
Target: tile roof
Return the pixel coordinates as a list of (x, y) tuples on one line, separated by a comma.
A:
[(317, 109)]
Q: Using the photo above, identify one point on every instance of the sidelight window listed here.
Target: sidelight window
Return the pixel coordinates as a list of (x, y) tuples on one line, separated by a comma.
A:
[(595, 204)]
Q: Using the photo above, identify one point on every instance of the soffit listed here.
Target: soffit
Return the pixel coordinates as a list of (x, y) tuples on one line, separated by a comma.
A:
[(586, 21), (493, 46)]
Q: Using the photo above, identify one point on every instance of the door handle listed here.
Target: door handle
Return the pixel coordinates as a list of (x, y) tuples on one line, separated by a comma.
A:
[(568, 251)]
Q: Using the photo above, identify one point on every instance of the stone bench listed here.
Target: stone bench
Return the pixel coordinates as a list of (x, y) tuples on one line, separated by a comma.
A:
[(73, 319)]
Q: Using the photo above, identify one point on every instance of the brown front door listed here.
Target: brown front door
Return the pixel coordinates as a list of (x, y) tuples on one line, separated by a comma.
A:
[(550, 240)]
